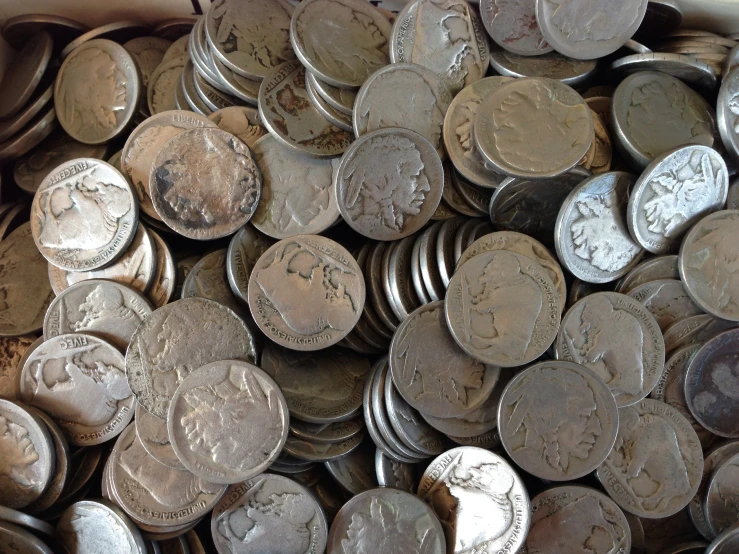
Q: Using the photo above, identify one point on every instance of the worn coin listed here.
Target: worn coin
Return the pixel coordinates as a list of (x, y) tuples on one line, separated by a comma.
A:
[(162, 287), (725, 544), (152, 432), (62, 469), (90, 526), (148, 53), (245, 248), (19, 29), (654, 269), (298, 310), (355, 472), (178, 47), (40, 99), (397, 278), (394, 474), (666, 300), (512, 25), (656, 464), (118, 31), (160, 94), (12, 351), (696, 329), (210, 95), (24, 520), (30, 136), (571, 72), (16, 539), (721, 496), (389, 184), (27, 68), (687, 68), (240, 121), (246, 90), (321, 452), (727, 112), (186, 88), (713, 460), (325, 432), (342, 100)]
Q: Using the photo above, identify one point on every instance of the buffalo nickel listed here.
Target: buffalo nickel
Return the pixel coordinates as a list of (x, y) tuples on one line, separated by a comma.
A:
[(666, 300), (90, 526), (240, 121), (513, 26), (245, 248), (568, 71)]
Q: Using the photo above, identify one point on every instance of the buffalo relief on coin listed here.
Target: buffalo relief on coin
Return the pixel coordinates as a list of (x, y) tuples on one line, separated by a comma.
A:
[(205, 184), (84, 215), (655, 466), (244, 122), (512, 25), (389, 184), (306, 292), (89, 526), (503, 309)]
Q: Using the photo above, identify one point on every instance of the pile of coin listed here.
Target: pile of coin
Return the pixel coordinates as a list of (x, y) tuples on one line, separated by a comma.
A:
[(328, 278)]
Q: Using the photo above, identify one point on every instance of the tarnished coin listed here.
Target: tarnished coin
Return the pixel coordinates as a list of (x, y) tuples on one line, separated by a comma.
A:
[(342, 100), (502, 308), (321, 452), (325, 432), (12, 352), (666, 300), (27, 456), (40, 100), (178, 47), (588, 30), (712, 385), (431, 372), (591, 235), (244, 443), (341, 41), (533, 128), (654, 269), (100, 307), (25, 293), (160, 94), (16, 539), (389, 184), (19, 29), (422, 34), (653, 113), (306, 292), (246, 90), (152, 432), (386, 520), (396, 278), (269, 513), (148, 53), (97, 91), (728, 543), (676, 190), (240, 121), (656, 465), (378, 104), (245, 248), (163, 350), (568, 71), (567, 517), (210, 95), (90, 526), (27, 69), (288, 113), (320, 387), (84, 215), (334, 116), (713, 459), (297, 191), (162, 287), (480, 500), (204, 183), (512, 25), (355, 472), (706, 266), (721, 496), (544, 400)]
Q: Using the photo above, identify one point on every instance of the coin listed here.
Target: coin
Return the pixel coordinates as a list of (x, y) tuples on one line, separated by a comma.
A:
[(395, 474), (725, 544), (162, 350), (726, 105), (178, 47), (187, 85), (389, 184), (326, 432), (713, 460), (568, 71), (246, 90), (24, 520), (339, 99), (321, 452), (162, 288), (654, 269), (24, 285), (513, 26), (90, 526), (173, 28), (148, 53), (281, 516), (40, 99), (160, 93), (566, 517), (210, 95), (696, 329), (385, 519), (30, 136), (685, 67), (240, 121), (731, 62), (327, 309), (17, 30), (27, 68), (721, 496), (20, 540), (152, 432), (244, 250), (516, 124), (666, 300), (118, 31), (655, 466)]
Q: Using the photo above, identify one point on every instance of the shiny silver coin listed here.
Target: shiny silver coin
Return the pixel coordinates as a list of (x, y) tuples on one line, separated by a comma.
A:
[(531, 112), (467, 486), (93, 108), (160, 93), (532, 436), (647, 476), (593, 333), (686, 68), (30, 136), (90, 526), (326, 432), (27, 452), (210, 169), (571, 72), (298, 195), (713, 459), (100, 307), (513, 26), (27, 69), (726, 106), (577, 28), (721, 495), (378, 104), (421, 36), (394, 474), (666, 300), (694, 330), (148, 53), (445, 248), (162, 288), (704, 265), (389, 184), (566, 517), (635, 104), (152, 431), (300, 126), (379, 520), (321, 452), (25, 284), (339, 99), (710, 385), (162, 351), (301, 312), (40, 100), (269, 513), (240, 121), (12, 351), (118, 31), (654, 269), (245, 248), (526, 303), (341, 42), (17, 539)]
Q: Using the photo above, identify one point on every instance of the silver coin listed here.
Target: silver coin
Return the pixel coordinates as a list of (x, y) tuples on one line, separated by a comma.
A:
[(240, 121), (394, 474), (178, 47), (30, 136), (152, 431), (475, 196), (297, 311), (732, 199), (83, 463), (568, 71), (444, 248), (550, 119), (269, 513), (24, 520), (246, 90), (532, 435), (28, 455), (326, 432), (566, 517), (162, 288), (339, 99), (16, 539), (162, 350), (100, 307), (244, 250), (118, 31), (488, 441), (336, 117), (27, 68), (97, 219), (726, 106), (593, 333), (389, 184), (725, 544), (705, 268), (383, 520), (290, 116), (713, 459), (90, 526), (342, 42), (174, 27), (721, 495), (210, 95), (40, 99), (25, 290), (321, 452), (732, 61), (17, 30), (160, 93), (397, 279), (187, 85), (355, 472), (453, 197), (654, 269), (298, 195), (686, 68), (513, 26), (12, 352), (656, 464), (642, 135), (480, 499), (148, 53), (666, 300), (710, 385), (694, 330), (588, 30), (422, 35)]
